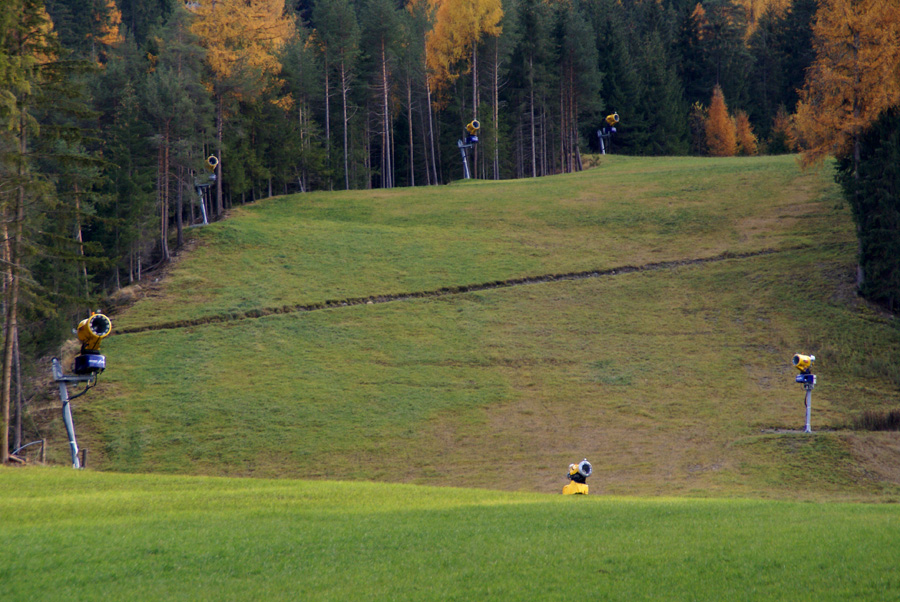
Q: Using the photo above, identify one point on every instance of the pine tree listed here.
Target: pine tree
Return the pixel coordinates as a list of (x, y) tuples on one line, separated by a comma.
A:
[(140, 16), (529, 73), (304, 80), (662, 102), (127, 219), (179, 108), (778, 141), (873, 189), (622, 81), (421, 18), (338, 30), (782, 50), (41, 154), (579, 81), (713, 51), (697, 119), (380, 35)]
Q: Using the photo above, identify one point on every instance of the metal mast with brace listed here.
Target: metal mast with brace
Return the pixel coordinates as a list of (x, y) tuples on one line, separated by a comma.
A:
[(471, 140)]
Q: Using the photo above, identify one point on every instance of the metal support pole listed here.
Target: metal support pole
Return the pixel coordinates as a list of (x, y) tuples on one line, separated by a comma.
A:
[(66, 411), (202, 205), (63, 382), (462, 150), (808, 408)]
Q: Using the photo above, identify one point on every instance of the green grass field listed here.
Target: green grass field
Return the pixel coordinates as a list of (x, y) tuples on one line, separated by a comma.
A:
[(674, 379), (306, 249), (94, 536)]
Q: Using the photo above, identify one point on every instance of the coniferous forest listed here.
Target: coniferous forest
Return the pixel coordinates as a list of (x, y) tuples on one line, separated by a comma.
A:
[(114, 111)]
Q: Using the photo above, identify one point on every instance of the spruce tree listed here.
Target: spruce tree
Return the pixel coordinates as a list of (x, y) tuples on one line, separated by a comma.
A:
[(529, 76), (180, 113), (338, 30), (872, 187)]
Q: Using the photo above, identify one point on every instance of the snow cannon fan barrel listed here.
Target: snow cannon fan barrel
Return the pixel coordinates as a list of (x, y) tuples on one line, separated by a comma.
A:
[(472, 127), (803, 362), (90, 332), (612, 119), (578, 474), (212, 162)]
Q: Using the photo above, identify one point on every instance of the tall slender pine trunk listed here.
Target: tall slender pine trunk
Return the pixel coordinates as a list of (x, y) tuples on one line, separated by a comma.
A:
[(409, 123), (531, 109), (345, 87), (434, 169), (496, 106), (387, 176), (220, 118), (11, 322), (475, 104)]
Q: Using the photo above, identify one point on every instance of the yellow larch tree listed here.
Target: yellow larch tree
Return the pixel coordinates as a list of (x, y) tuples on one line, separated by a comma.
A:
[(721, 138), (746, 139), (853, 79), (242, 39), (459, 25), (106, 31)]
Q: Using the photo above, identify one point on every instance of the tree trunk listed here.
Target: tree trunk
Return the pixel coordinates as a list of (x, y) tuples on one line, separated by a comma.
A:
[(425, 147), (345, 87), (531, 109), (17, 436), (387, 178), (220, 117), (11, 326), (80, 239), (434, 169), (409, 122), (495, 101), (164, 196), (475, 105), (179, 209), (328, 125), (860, 275)]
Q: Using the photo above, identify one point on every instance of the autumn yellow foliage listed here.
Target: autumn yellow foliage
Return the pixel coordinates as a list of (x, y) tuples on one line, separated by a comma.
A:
[(108, 28), (242, 39), (853, 79), (721, 137), (746, 139), (459, 26)]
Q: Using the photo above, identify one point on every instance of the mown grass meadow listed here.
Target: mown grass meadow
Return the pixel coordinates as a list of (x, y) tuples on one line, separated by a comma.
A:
[(415, 449), (96, 536), (311, 248), (672, 381)]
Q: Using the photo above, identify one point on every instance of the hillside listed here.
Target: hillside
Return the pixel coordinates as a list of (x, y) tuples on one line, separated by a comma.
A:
[(641, 314)]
